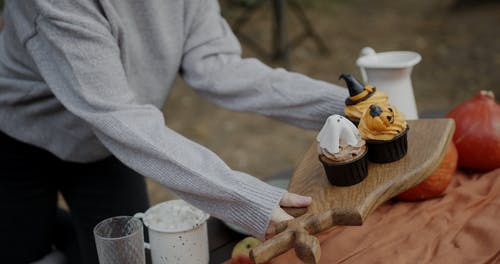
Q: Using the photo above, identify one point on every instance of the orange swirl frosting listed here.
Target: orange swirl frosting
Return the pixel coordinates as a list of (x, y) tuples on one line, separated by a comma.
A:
[(355, 111), (381, 122)]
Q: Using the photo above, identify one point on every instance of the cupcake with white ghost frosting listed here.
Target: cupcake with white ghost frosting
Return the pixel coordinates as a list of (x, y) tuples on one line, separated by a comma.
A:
[(342, 152)]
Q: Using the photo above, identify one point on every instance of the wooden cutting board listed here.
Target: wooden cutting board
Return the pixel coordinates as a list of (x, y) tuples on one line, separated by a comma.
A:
[(332, 205)]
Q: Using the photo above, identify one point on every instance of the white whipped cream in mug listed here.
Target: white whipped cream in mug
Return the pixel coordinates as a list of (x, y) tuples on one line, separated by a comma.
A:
[(174, 216)]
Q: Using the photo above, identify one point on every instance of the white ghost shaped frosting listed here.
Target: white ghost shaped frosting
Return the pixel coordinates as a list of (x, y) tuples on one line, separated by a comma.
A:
[(338, 131)]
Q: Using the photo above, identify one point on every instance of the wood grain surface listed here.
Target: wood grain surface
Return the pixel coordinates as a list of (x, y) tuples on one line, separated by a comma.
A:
[(332, 205)]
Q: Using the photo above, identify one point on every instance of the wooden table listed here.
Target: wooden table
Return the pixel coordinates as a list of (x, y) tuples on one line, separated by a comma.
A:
[(221, 240)]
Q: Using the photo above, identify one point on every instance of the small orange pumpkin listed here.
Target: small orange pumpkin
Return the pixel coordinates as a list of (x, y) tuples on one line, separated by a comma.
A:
[(435, 184)]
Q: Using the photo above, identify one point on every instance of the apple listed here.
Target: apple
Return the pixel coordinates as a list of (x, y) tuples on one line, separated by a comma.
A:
[(241, 251), (241, 259)]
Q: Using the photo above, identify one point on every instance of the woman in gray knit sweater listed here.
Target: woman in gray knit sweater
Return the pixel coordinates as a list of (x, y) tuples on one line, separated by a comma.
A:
[(82, 84)]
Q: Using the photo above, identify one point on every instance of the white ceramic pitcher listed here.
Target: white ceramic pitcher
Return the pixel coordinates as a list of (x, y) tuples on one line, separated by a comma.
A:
[(391, 73)]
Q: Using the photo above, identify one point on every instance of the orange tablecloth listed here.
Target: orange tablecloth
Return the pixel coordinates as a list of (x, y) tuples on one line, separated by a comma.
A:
[(463, 226)]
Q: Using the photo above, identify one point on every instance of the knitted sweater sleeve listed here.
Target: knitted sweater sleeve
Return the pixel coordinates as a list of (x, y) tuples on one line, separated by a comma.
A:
[(212, 64), (80, 62)]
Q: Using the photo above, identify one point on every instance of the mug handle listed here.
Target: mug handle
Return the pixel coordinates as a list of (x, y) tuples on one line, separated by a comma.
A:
[(140, 216)]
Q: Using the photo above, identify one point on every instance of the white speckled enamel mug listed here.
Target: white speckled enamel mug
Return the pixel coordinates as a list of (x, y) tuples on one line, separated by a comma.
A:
[(177, 233)]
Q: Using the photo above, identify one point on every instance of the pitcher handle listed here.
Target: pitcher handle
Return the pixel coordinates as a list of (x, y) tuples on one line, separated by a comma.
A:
[(366, 51)]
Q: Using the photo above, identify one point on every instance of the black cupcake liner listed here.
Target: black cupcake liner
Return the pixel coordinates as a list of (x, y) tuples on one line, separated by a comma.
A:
[(388, 151), (346, 173)]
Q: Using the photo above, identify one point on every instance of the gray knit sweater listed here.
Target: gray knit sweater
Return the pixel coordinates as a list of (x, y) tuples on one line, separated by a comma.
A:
[(85, 79)]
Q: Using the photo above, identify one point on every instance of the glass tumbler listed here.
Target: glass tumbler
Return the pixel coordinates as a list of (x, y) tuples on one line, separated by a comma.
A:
[(120, 240)]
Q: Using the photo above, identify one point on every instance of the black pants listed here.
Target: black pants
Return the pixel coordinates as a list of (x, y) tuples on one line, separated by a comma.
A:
[(31, 224)]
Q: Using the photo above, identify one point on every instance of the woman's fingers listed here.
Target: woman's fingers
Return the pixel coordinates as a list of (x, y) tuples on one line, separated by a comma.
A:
[(279, 215), (295, 200)]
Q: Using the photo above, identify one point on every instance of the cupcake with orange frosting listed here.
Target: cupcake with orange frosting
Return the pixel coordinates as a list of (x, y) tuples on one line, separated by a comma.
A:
[(385, 130), (342, 151), (361, 97)]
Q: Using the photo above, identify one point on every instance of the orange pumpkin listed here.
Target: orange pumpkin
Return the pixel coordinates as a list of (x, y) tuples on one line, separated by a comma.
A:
[(435, 184)]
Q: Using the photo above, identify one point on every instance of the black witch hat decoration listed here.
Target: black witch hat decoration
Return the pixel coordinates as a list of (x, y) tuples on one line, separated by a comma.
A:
[(355, 87)]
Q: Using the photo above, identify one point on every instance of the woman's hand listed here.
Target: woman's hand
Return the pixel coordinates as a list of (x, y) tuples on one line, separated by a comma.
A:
[(279, 215)]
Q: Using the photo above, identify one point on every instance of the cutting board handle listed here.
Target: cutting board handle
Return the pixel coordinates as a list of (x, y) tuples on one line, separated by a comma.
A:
[(299, 235), (307, 247)]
